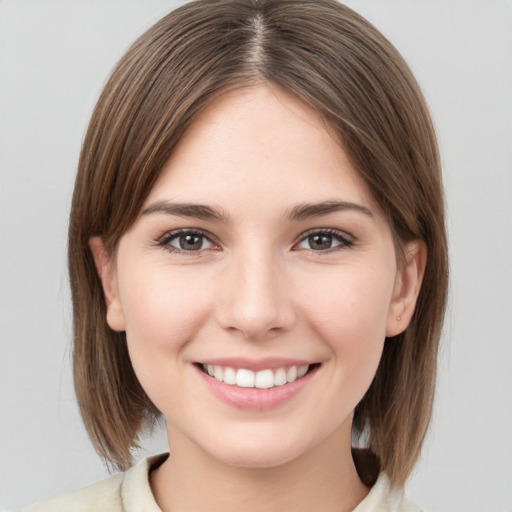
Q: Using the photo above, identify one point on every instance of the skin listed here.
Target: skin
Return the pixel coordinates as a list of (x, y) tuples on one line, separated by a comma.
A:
[(257, 286)]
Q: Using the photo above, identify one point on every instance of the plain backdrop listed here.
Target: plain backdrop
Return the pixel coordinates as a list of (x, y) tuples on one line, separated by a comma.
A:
[(54, 58)]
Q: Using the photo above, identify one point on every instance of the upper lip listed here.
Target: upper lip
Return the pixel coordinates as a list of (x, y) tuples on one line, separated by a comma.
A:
[(271, 363)]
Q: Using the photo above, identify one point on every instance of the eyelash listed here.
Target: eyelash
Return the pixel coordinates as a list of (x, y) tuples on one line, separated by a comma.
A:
[(345, 240), (165, 241)]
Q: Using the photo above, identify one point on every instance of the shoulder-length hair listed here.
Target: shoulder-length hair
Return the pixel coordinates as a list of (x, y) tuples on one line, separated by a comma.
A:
[(339, 64)]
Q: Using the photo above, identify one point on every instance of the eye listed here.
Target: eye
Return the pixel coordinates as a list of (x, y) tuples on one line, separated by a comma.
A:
[(186, 240), (325, 240)]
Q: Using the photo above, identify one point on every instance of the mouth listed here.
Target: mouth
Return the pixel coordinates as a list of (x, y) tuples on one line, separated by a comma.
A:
[(265, 378)]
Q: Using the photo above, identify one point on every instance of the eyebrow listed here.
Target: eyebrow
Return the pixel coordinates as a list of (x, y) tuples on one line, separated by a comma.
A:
[(198, 211), (298, 212), (307, 211)]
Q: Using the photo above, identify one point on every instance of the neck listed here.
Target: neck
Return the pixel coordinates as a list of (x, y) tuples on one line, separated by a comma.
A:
[(323, 479)]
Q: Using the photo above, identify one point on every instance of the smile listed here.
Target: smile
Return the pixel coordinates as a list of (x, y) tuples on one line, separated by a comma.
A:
[(262, 379), (256, 385)]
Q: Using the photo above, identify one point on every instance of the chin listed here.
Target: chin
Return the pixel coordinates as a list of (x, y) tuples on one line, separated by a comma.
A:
[(258, 460), (261, 453)]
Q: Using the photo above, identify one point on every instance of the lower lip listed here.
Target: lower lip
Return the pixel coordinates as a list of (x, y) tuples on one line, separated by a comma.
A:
[(255, 398)]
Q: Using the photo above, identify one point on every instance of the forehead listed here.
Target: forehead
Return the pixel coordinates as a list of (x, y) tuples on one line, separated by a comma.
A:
[(259, 146)]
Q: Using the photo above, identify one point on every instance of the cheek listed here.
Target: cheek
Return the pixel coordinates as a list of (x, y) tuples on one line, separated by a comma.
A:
[(163, 311), (161, 303), (352, 305), (351, 319)]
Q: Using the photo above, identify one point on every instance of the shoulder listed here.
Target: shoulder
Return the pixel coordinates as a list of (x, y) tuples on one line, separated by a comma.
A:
[(383, 496), (106, 493), (124, 492)]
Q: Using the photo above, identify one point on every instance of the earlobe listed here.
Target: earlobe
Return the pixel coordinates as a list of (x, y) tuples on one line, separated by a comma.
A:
[(105, 267), (407, 288)]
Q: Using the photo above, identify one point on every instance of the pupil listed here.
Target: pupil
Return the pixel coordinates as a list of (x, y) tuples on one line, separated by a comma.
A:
[(190, 242), (320, 241)]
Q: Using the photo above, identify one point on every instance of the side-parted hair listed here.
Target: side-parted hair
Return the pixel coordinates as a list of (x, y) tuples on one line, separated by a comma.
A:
[(338, 63)]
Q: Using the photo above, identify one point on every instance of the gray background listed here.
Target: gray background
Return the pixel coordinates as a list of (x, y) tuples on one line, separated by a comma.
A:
[(54, 57)]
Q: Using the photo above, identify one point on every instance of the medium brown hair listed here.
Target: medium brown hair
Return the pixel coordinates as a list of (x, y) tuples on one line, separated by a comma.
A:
[(338, 63)]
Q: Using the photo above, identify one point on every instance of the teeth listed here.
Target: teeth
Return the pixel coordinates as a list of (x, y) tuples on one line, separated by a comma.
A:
[(302, 370), (291, 374), (263, 379), (218, 373), (280, 377), (230, 376), (245, 378)]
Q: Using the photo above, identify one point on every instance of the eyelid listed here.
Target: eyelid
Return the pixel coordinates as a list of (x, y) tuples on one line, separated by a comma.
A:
[(348, 240), (164, 240), (345, 238)]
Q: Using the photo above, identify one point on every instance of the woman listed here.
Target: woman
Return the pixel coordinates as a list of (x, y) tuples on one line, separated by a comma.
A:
[(257, 253)]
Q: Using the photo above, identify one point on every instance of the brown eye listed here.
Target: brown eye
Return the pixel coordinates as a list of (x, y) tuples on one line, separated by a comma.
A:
[(189, 242), (325, 240), (320, 242), (186, 241)]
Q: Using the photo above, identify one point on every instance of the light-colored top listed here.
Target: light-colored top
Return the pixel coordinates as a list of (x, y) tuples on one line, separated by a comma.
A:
[(131, 492)]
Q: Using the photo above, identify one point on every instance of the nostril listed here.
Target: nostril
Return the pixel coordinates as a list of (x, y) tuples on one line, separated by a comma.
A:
[(255, 334)]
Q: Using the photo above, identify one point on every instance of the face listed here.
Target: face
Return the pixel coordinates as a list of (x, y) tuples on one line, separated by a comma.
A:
[(258, 284)]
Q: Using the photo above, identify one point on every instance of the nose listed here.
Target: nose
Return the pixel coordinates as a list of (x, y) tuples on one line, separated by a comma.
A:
[(255, 299)]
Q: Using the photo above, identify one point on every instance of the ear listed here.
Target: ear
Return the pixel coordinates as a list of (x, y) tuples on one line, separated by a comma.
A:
[(105, 265), (407, 288)]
